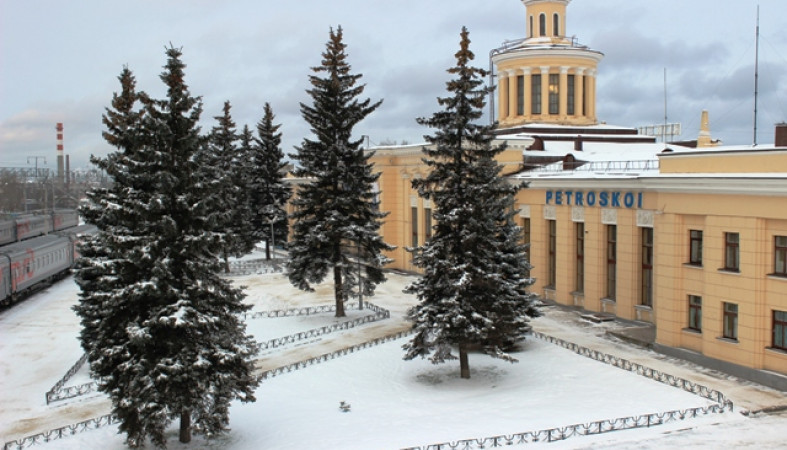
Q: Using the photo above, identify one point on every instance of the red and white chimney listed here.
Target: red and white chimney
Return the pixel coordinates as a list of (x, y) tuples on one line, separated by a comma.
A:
[(60, 171)]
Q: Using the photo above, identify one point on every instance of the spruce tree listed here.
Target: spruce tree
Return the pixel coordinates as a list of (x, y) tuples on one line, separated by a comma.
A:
[(161, 329), (225, 169), (473, 294), (269, 191), (335, 208)]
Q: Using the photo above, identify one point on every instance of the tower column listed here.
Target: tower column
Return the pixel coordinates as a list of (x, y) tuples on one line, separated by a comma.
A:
[(592, 95), (513, 93), (545, 90), (528, 92), (579, 93), (563, 104), (502, 95)]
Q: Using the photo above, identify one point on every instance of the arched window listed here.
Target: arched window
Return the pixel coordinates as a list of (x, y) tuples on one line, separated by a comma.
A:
[(542, 25), (556, 24), (531, 26)]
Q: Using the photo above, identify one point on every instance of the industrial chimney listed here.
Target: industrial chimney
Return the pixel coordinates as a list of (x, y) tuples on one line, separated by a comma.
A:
[(60, 162)]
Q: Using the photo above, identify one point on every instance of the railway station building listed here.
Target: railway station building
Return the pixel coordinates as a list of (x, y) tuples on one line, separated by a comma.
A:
[(690, 238)]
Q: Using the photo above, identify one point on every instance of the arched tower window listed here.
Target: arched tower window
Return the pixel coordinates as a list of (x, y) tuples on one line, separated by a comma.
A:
[(556, 24), (531, 26), (542, 24)]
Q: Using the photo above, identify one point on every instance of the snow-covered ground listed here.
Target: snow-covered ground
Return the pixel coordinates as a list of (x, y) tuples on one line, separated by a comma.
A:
[(393, 403)]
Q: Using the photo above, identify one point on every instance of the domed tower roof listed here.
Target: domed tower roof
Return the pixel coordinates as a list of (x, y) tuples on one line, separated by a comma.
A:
[(546, 77)]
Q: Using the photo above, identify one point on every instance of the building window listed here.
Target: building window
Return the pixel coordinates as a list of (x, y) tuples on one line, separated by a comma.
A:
[(730, 328), (535, 94), (780, 256), (780, 330), (415, 226), (552, 276), (646, 295), (520, 95), (556, 24), (570, 83), (526, 239), (585, 83), (731, 251), (695, 312), (612, 260), (542, 25), (531, 26), (427, 223), (695, 247), (554, 93), (580, 279)]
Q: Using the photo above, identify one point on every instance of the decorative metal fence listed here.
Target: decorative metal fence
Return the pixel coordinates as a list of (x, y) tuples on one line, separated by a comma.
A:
[(721, 405), (258, 266), (380, 314), (59, 392), (59, 433)]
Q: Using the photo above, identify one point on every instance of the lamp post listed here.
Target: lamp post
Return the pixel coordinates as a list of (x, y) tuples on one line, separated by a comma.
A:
[(360, 280)]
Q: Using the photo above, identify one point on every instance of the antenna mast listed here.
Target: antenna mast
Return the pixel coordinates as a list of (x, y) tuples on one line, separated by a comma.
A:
[(756, 73), (664, 133)]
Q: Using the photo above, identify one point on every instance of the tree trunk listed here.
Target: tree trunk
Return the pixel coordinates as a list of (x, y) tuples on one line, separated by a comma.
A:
[(338, 292), (226, 263), (185, 426), (464, 365), (268, 249)]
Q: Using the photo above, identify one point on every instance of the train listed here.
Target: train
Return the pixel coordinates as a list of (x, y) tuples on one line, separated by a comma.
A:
[(28, 226), (33, 263)]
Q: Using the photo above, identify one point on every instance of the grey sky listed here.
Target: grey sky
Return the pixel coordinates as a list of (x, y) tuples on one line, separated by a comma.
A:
[(59, 61)]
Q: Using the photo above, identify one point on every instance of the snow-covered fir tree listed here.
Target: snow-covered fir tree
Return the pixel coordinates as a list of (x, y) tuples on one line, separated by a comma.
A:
[(269, 191), (226, 171), (162, 330), (473, 294), (336, 210)]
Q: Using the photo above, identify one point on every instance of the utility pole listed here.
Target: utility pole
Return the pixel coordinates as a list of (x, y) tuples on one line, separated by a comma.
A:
[(36, 158)]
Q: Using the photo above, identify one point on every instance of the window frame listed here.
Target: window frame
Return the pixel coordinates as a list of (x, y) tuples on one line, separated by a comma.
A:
[(556, 24), (695, 247), (729, 328), (427, 223), (552, 252), (779, 330), (542, 25), (695, 313), (579, 279), (646, 272), (732, 252), (780, 256), (612, 261), (520, 95), (571, 94), (554, 94), (414, 220), (535, 93)]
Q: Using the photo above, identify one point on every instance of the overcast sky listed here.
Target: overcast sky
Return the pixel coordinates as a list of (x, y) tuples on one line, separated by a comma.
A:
[(59, 61)]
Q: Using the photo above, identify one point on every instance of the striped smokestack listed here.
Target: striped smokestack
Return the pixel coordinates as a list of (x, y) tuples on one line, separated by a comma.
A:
[(60, 171)]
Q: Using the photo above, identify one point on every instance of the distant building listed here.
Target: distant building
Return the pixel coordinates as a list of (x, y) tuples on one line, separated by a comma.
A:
[(691, 238)]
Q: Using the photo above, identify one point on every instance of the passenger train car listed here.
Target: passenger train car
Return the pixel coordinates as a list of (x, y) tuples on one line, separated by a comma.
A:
[(28, 226), (35, 263)]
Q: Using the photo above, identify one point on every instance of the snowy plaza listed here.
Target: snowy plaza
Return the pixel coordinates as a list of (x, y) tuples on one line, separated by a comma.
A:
[(389, 403)]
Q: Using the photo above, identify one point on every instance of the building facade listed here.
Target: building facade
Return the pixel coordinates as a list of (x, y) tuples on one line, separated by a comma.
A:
[(691, 238)]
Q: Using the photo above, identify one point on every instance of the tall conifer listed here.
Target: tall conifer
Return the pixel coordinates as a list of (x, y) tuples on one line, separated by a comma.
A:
[(336, 208), (269, 191), (162, 330), (473, 293)]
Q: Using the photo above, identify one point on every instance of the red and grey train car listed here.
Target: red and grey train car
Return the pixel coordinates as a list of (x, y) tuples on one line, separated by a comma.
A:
[(33, 263), (28, 226)]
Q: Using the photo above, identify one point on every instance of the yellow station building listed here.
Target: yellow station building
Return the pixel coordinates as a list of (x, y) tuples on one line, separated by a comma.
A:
[(691, 238)]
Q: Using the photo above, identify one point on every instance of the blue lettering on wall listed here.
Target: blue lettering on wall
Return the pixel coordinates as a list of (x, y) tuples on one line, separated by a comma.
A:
[(603, 199)]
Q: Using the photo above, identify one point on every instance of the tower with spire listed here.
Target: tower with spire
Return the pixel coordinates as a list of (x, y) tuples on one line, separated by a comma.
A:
[(546, 77)]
